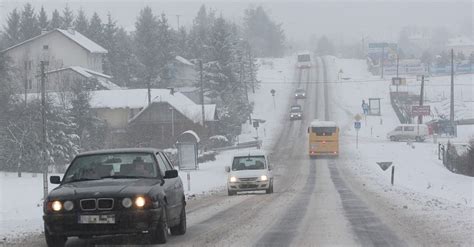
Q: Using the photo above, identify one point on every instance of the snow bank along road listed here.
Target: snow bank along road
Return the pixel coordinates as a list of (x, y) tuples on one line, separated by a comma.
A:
[(314, 204)]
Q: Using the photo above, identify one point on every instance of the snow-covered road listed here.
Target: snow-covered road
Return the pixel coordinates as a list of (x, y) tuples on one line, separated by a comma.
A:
[(322, 202)]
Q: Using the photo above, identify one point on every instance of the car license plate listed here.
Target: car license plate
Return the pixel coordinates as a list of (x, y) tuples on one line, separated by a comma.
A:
[(97, 219)]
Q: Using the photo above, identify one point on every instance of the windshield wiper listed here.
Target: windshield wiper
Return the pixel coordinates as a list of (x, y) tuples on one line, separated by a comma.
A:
[(124, 176)]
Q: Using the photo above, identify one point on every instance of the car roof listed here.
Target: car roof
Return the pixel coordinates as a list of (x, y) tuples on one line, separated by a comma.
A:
[(254, 152), (120, 150)]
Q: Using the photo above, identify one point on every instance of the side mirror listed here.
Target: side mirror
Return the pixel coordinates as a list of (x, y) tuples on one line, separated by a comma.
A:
[(227, 169), (171, 174), (308, 129), (55, 179), (270, 167)]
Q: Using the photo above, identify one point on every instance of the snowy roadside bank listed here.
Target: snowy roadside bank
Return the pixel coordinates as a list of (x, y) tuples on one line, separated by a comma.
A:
[(418, 170)]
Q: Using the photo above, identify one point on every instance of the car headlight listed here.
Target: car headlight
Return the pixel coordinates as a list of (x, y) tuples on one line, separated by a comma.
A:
[(56, 206), (127, 202), (263, 178), (140, 201), (68, 205), (233, 179)]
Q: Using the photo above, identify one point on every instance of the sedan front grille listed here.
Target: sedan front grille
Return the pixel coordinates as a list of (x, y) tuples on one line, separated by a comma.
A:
[(97, 204), (88, 204), (105, 203)]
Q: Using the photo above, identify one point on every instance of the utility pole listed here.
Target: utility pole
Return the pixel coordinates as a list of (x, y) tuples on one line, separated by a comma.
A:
[(420, 117), (451, 109), (244, 82), (177, 17), (202, 94), (43, 125), (148, 85), (398, 60), (382, 60)]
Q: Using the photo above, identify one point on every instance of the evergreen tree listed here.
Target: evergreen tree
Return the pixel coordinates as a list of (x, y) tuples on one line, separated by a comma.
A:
[(29, 25), (43, 20), (12, 29), (67, 18), (110, 44), (166, 50), (146, 47), (266, 37), (96, 29), (81, 24), (181, 38), (199, 34), (125, 62), (56, 20)]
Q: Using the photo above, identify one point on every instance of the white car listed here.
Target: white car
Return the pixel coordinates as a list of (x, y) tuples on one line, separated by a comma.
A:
[(250, 171), (417, 132)]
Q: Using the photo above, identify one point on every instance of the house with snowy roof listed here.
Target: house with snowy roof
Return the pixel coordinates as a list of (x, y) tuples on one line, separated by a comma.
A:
[(132, 120), (66, 51)]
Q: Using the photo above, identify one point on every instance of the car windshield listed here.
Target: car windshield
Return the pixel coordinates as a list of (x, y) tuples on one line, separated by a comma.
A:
[(296, 108), (248, 163), (117, 165), (299, 91)]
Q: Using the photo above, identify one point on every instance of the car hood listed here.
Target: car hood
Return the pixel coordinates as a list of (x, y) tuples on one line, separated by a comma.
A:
[(249, 173), (104, 187)]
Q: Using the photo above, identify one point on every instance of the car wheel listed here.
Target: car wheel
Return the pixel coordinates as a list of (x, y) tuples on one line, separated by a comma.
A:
[(160, 235), (270, 189), (418, 139), (180, 229), (54, 241), (231, 193), (393, 139)]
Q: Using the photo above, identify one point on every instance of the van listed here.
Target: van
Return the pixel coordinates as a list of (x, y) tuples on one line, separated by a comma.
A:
[(250, 171), (417, 132)]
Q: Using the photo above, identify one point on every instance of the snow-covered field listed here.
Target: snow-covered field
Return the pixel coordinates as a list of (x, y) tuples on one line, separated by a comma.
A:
[(417, 168), (21, 198)]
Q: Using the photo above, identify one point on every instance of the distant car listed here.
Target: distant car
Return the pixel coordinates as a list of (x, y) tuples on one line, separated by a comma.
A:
[(300, 93), (417, 132), (250, 171), (304, 60), (118, 191), (296, 112)]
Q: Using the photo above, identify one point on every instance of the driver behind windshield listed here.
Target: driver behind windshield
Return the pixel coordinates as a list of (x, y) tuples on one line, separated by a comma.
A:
[(248, 163)]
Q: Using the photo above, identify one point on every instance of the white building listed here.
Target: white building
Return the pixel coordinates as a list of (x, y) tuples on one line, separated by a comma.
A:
[(61, 48), (461, 45)]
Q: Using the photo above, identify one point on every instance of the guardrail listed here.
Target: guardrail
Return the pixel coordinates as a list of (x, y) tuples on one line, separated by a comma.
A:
[(256, 143)]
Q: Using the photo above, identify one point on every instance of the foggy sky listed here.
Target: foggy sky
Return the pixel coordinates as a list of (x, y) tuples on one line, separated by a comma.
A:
[(376, 20)]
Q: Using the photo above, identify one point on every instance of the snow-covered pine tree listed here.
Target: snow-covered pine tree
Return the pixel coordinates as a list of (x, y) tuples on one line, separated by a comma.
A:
[(12, 29), (56, 20), (67, 20), (81, 24), (199, 35), (43, 19), (126, 63), (95, 32), (110, 44), (146, 48), (29, 25), (166, 51)]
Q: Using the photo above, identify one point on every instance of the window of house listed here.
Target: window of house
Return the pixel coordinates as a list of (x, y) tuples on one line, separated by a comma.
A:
[(45, 47)]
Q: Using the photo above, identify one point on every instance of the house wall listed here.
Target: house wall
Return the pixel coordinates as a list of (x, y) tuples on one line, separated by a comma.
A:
[(117, 119), (61, 52)]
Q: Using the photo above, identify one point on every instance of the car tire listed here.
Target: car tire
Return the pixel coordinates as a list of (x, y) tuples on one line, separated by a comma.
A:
[(54, 241), (231, 193), (180, 229), (270, 189), (419, 139), (160, 235), (393, 138)]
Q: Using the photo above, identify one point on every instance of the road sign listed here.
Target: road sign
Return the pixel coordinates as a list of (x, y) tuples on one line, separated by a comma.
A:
[(357, 125), (273, 92), (357, 117), (384, 165), (420, 110), (255, 124)]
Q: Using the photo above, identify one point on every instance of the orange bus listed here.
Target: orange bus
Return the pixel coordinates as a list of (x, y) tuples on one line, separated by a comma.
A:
[(323, 138)]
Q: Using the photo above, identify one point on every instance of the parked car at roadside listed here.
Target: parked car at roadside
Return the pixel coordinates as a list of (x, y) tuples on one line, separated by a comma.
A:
[(417, 132), (250, 171), (117, 191)]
